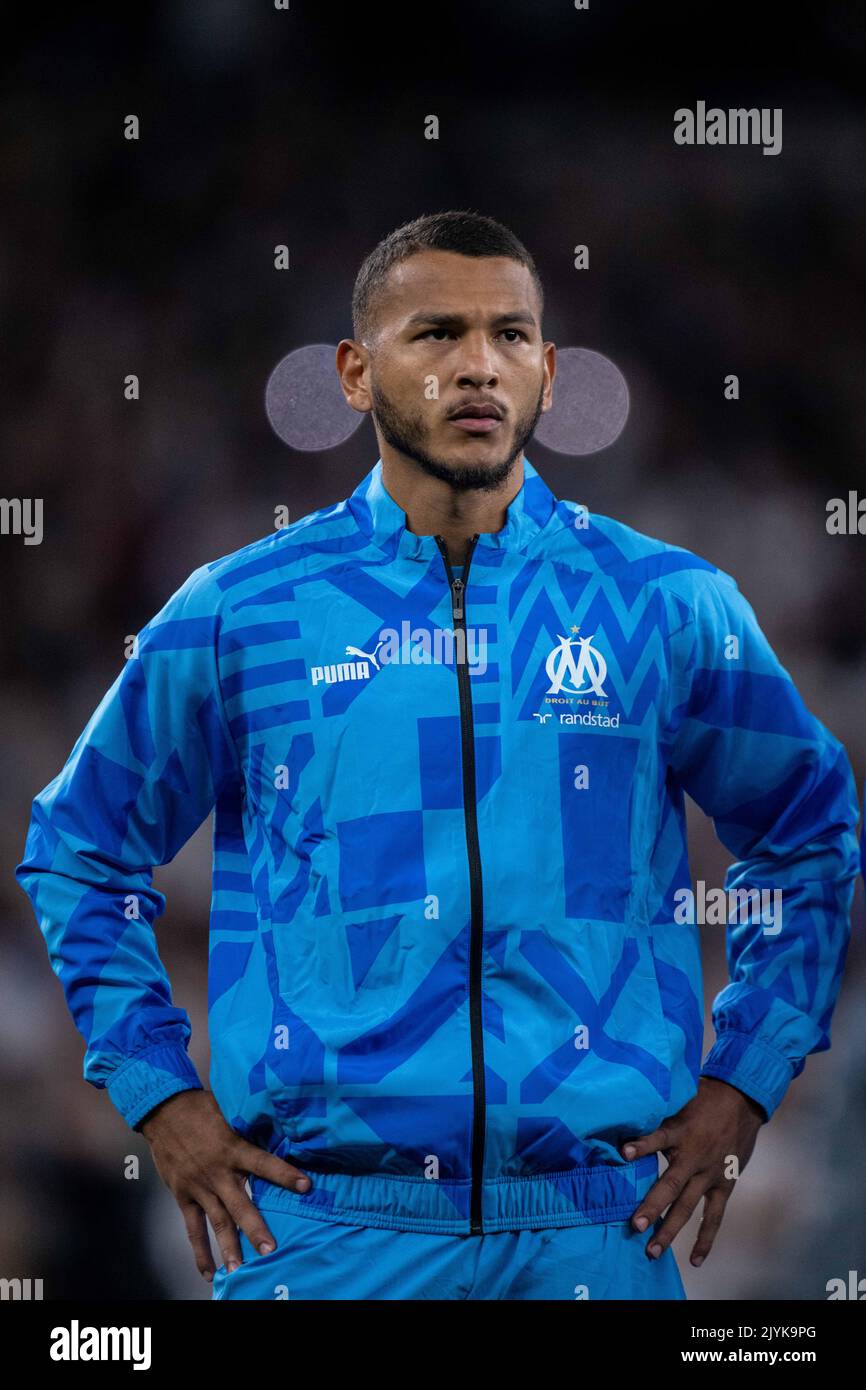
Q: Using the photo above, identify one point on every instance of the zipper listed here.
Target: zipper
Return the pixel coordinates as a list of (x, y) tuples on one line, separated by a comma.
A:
[(476, 946)]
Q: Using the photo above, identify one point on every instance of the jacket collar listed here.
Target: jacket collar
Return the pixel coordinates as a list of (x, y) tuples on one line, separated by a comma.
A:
[(384, 521)]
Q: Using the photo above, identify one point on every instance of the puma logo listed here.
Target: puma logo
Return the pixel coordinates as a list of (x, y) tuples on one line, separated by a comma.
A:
[(366, 656)]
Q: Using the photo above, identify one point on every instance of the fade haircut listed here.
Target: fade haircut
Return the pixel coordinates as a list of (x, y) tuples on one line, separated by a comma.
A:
[(467, 233)]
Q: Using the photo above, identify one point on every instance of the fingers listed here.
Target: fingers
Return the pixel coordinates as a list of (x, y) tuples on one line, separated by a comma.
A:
[(227, 1208), (225, 1231), (212, 1188), (664, 1191), (714, 1210), (647, 1143), (245, 1215), (273, 1169), (679, 1213), (196, 1229)]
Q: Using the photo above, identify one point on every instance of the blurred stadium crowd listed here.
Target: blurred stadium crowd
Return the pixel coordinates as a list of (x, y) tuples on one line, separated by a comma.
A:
[(156, 257)]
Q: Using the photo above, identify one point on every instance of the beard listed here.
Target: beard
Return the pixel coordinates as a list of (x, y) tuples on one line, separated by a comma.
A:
[(407, 434)]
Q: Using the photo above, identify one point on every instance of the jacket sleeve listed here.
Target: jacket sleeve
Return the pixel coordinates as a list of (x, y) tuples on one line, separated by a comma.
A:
[(142, 776), (781, 793)]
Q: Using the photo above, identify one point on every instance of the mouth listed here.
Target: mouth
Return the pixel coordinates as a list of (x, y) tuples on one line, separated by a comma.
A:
[(477, 419)]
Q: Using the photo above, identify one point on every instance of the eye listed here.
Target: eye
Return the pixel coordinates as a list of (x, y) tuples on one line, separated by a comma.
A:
[(447, 332)]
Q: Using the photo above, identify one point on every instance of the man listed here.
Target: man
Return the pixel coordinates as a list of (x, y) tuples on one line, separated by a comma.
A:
[(447, 726)]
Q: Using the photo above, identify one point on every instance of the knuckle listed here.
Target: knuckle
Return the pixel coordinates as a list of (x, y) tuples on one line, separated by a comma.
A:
[(237, 1204), (672, 1185)]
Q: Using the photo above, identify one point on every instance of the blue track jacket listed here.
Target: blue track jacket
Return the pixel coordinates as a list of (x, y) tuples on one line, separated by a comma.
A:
[(453, 963)]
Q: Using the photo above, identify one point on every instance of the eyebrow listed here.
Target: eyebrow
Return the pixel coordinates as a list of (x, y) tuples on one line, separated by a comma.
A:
[(438, 320)]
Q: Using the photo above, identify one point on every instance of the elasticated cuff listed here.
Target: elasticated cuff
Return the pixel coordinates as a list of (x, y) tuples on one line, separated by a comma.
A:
[(150, 1077), (752, 1066)]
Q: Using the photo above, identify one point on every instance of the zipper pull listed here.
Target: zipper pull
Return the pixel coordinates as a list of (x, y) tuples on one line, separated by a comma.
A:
[(457, 599)]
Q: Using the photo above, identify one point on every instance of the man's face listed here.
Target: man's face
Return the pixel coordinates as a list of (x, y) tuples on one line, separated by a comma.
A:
[(456, 334)]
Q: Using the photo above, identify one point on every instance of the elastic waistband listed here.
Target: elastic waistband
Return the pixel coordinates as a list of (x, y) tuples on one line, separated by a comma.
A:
[(578, 1197)]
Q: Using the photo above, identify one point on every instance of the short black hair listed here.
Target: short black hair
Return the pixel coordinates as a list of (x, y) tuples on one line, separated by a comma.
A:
[(468, 233)]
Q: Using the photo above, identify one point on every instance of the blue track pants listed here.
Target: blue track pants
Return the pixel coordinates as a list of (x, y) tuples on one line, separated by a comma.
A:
[(317, 1259)]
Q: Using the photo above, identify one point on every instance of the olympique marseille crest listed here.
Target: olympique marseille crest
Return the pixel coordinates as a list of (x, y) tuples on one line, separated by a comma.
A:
[(576, 672)]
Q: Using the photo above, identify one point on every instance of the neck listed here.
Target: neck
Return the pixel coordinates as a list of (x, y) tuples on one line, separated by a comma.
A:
[(433, 508)]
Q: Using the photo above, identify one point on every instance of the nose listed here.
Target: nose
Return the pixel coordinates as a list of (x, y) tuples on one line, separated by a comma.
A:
[(478, 366)]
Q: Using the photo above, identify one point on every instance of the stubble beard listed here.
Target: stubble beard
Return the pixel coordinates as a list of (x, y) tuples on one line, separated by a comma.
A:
[(406, 433)]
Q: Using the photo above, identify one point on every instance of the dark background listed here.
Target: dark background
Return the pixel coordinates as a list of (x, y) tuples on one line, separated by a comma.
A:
[(306, 127)]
